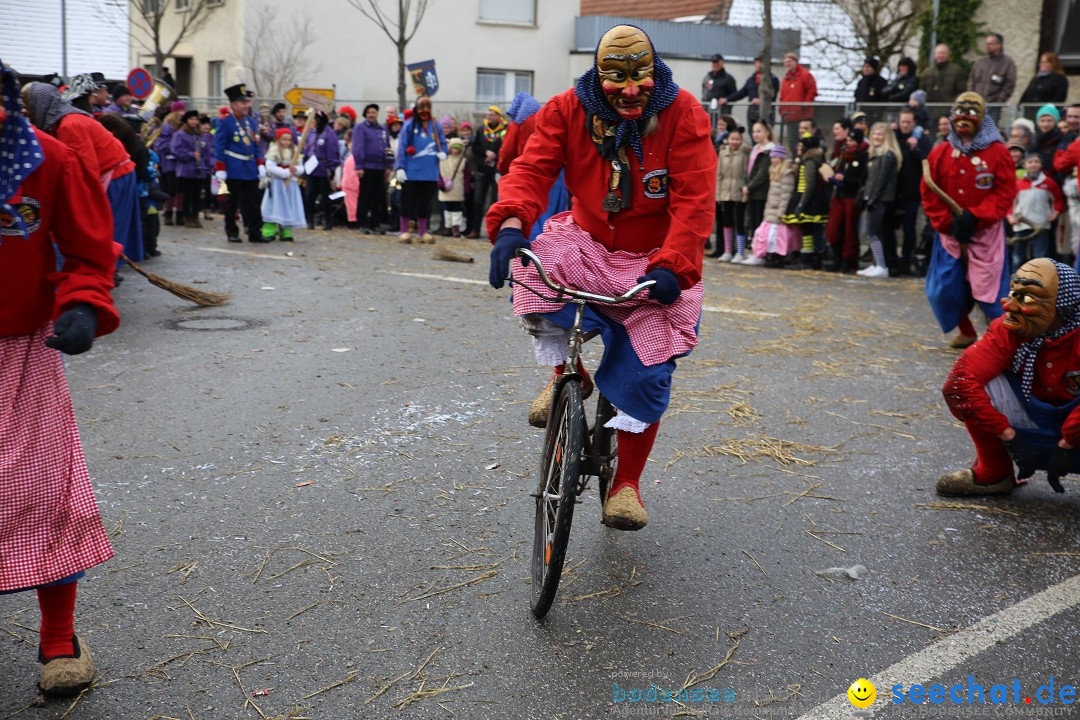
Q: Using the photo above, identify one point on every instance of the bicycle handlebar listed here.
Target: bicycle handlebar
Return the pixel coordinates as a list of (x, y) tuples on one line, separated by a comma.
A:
[(570, 292)]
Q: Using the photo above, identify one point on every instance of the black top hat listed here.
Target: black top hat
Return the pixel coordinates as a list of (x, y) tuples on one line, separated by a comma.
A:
[(188, 115), (99, 78), (120, 91), (238, 92), (717, 58)]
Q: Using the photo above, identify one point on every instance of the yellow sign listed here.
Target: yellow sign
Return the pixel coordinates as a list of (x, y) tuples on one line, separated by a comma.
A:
[(302, 98)]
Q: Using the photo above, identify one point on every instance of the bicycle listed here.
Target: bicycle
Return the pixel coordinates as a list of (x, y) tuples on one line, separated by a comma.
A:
[(573, 452)]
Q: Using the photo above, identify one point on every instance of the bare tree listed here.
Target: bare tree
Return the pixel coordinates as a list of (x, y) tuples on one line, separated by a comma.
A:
[(154, 24), (399, 26), (880, 28), (276, 50), (765, 88)]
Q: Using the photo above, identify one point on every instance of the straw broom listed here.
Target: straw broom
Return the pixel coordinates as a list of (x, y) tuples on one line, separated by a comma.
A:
[(199, 297)]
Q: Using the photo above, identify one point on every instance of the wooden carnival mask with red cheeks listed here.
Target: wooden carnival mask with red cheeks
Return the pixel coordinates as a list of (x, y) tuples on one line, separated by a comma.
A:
[(967, 114), (624, 62), (423, 108), (1031, 305)]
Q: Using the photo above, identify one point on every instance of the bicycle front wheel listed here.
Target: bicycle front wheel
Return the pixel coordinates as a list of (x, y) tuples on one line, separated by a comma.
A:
[(556, 493)]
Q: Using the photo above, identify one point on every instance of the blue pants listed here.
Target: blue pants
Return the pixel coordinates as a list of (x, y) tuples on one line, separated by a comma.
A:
[(127, 219)]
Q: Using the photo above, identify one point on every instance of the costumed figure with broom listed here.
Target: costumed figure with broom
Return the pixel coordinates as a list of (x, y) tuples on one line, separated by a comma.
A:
[(968, 188), (640, 166), (50, 528), (1017, 390)]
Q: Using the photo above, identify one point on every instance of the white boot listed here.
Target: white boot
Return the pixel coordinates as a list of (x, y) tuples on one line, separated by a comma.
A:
[(726, 257)]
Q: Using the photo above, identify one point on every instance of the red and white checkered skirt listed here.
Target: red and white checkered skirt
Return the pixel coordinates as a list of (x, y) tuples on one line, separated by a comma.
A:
[(50, 527), (573, 259)]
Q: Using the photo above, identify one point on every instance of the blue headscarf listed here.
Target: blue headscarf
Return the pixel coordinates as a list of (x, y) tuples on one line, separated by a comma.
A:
[(523, 107), (1068, 309), (664, 92), (985, 136), (20, 151)]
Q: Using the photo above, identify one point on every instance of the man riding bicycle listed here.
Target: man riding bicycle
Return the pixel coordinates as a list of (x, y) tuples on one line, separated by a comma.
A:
[(642, 173)]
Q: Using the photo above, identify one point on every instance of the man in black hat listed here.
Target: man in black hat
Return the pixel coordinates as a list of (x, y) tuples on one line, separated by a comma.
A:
[(871, 84), (717, 83), (239, 161), (88, 92), (121, 101)]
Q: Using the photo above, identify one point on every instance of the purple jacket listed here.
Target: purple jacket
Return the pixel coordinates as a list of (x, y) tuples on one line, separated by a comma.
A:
[(371, 147), (163, 145), (184, 145), (324, 146), (207, 152)]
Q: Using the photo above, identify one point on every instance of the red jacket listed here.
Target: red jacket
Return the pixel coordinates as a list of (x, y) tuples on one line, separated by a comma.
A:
[(98, 148), (61, 202), (1057, 379), (671, 206), (1065, 161), (986, 189), (798, 86), (514, 142)]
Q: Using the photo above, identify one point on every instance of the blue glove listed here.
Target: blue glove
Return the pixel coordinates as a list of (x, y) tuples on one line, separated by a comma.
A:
[(74, 330), (666, 290), (507, 242)]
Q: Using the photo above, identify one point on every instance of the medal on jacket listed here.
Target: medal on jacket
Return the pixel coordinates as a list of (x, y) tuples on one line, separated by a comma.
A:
[(612, 204)]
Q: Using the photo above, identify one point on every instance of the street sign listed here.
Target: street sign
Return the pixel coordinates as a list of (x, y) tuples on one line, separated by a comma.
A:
[(140, 83), (318, 98)]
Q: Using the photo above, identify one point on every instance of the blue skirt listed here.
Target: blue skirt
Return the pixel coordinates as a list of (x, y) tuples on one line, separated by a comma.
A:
[(948, 291), (127, 222), (641, 391), (558, 201), (61, 581), (1038, 443)]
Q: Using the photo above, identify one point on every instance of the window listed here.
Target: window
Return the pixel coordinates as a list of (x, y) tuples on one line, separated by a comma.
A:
[(500, 86), (183, 5), (151, 8), (214, 78), (509, 11)]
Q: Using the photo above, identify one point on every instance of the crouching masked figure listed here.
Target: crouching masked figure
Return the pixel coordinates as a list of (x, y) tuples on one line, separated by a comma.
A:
[(640, 166), (1017, 390)]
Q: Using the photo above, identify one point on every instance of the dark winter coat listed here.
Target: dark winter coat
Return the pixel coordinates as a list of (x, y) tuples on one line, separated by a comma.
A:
[(757, 179), (899, 89), (852, 166), (881, 179), (810, 201), (1049, 88), (870, 89)]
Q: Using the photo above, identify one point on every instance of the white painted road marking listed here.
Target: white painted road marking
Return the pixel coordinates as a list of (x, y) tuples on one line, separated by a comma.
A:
[(949, 652), (470, 281)]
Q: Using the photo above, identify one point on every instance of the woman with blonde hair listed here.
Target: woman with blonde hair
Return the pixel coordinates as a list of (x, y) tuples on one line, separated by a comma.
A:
[(1049, 84), (878, 195)]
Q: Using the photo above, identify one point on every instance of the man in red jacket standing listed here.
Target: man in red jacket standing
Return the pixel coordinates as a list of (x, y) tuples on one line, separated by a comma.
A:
[(797, 90), (1017, 390), (639, 164), (50, 529)]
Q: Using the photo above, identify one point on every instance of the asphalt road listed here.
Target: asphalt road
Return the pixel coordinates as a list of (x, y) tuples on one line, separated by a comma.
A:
[(321, 490)]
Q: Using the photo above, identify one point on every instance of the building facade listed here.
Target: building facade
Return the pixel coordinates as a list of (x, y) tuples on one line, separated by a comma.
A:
[(485, 51)]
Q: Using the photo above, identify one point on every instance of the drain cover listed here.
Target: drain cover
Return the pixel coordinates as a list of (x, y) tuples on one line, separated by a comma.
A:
[(213, 324)]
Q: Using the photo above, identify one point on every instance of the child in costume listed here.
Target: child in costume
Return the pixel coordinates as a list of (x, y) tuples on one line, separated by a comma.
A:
[(643, 181), (775, 239), (452, 186), (808, 206), (282, 204), (1016, 390), (50, 529)]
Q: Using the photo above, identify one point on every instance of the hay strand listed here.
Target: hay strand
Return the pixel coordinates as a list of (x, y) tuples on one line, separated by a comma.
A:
[(185, 292), (445, 253)]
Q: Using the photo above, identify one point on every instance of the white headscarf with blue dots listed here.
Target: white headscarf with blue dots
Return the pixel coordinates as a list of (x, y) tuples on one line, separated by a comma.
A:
[(1068, 309), (20, 151)]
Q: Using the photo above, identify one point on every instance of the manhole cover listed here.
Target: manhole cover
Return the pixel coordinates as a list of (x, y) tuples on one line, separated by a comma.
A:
[(212, 324)]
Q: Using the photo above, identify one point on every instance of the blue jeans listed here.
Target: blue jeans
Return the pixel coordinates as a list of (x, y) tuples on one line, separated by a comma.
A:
[(1036, 247)]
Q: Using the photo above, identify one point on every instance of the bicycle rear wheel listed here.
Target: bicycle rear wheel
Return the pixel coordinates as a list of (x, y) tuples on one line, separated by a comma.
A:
[(556, 493), (605, 446)]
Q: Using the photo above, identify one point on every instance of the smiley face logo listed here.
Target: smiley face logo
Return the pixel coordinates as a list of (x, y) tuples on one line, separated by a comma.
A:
[(862, 693)]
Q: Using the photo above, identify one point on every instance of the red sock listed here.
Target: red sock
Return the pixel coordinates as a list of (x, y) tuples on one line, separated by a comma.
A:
[(992, 460), (634, 449), (966, 328), (57, 605), (586, 379)]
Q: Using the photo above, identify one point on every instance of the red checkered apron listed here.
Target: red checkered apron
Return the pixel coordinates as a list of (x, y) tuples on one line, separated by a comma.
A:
[(49, 522), (573, 259)]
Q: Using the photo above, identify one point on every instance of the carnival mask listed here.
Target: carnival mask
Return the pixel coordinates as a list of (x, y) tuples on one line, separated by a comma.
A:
[(1031, 305), (624, 63), (423, 109), (967, 114)]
